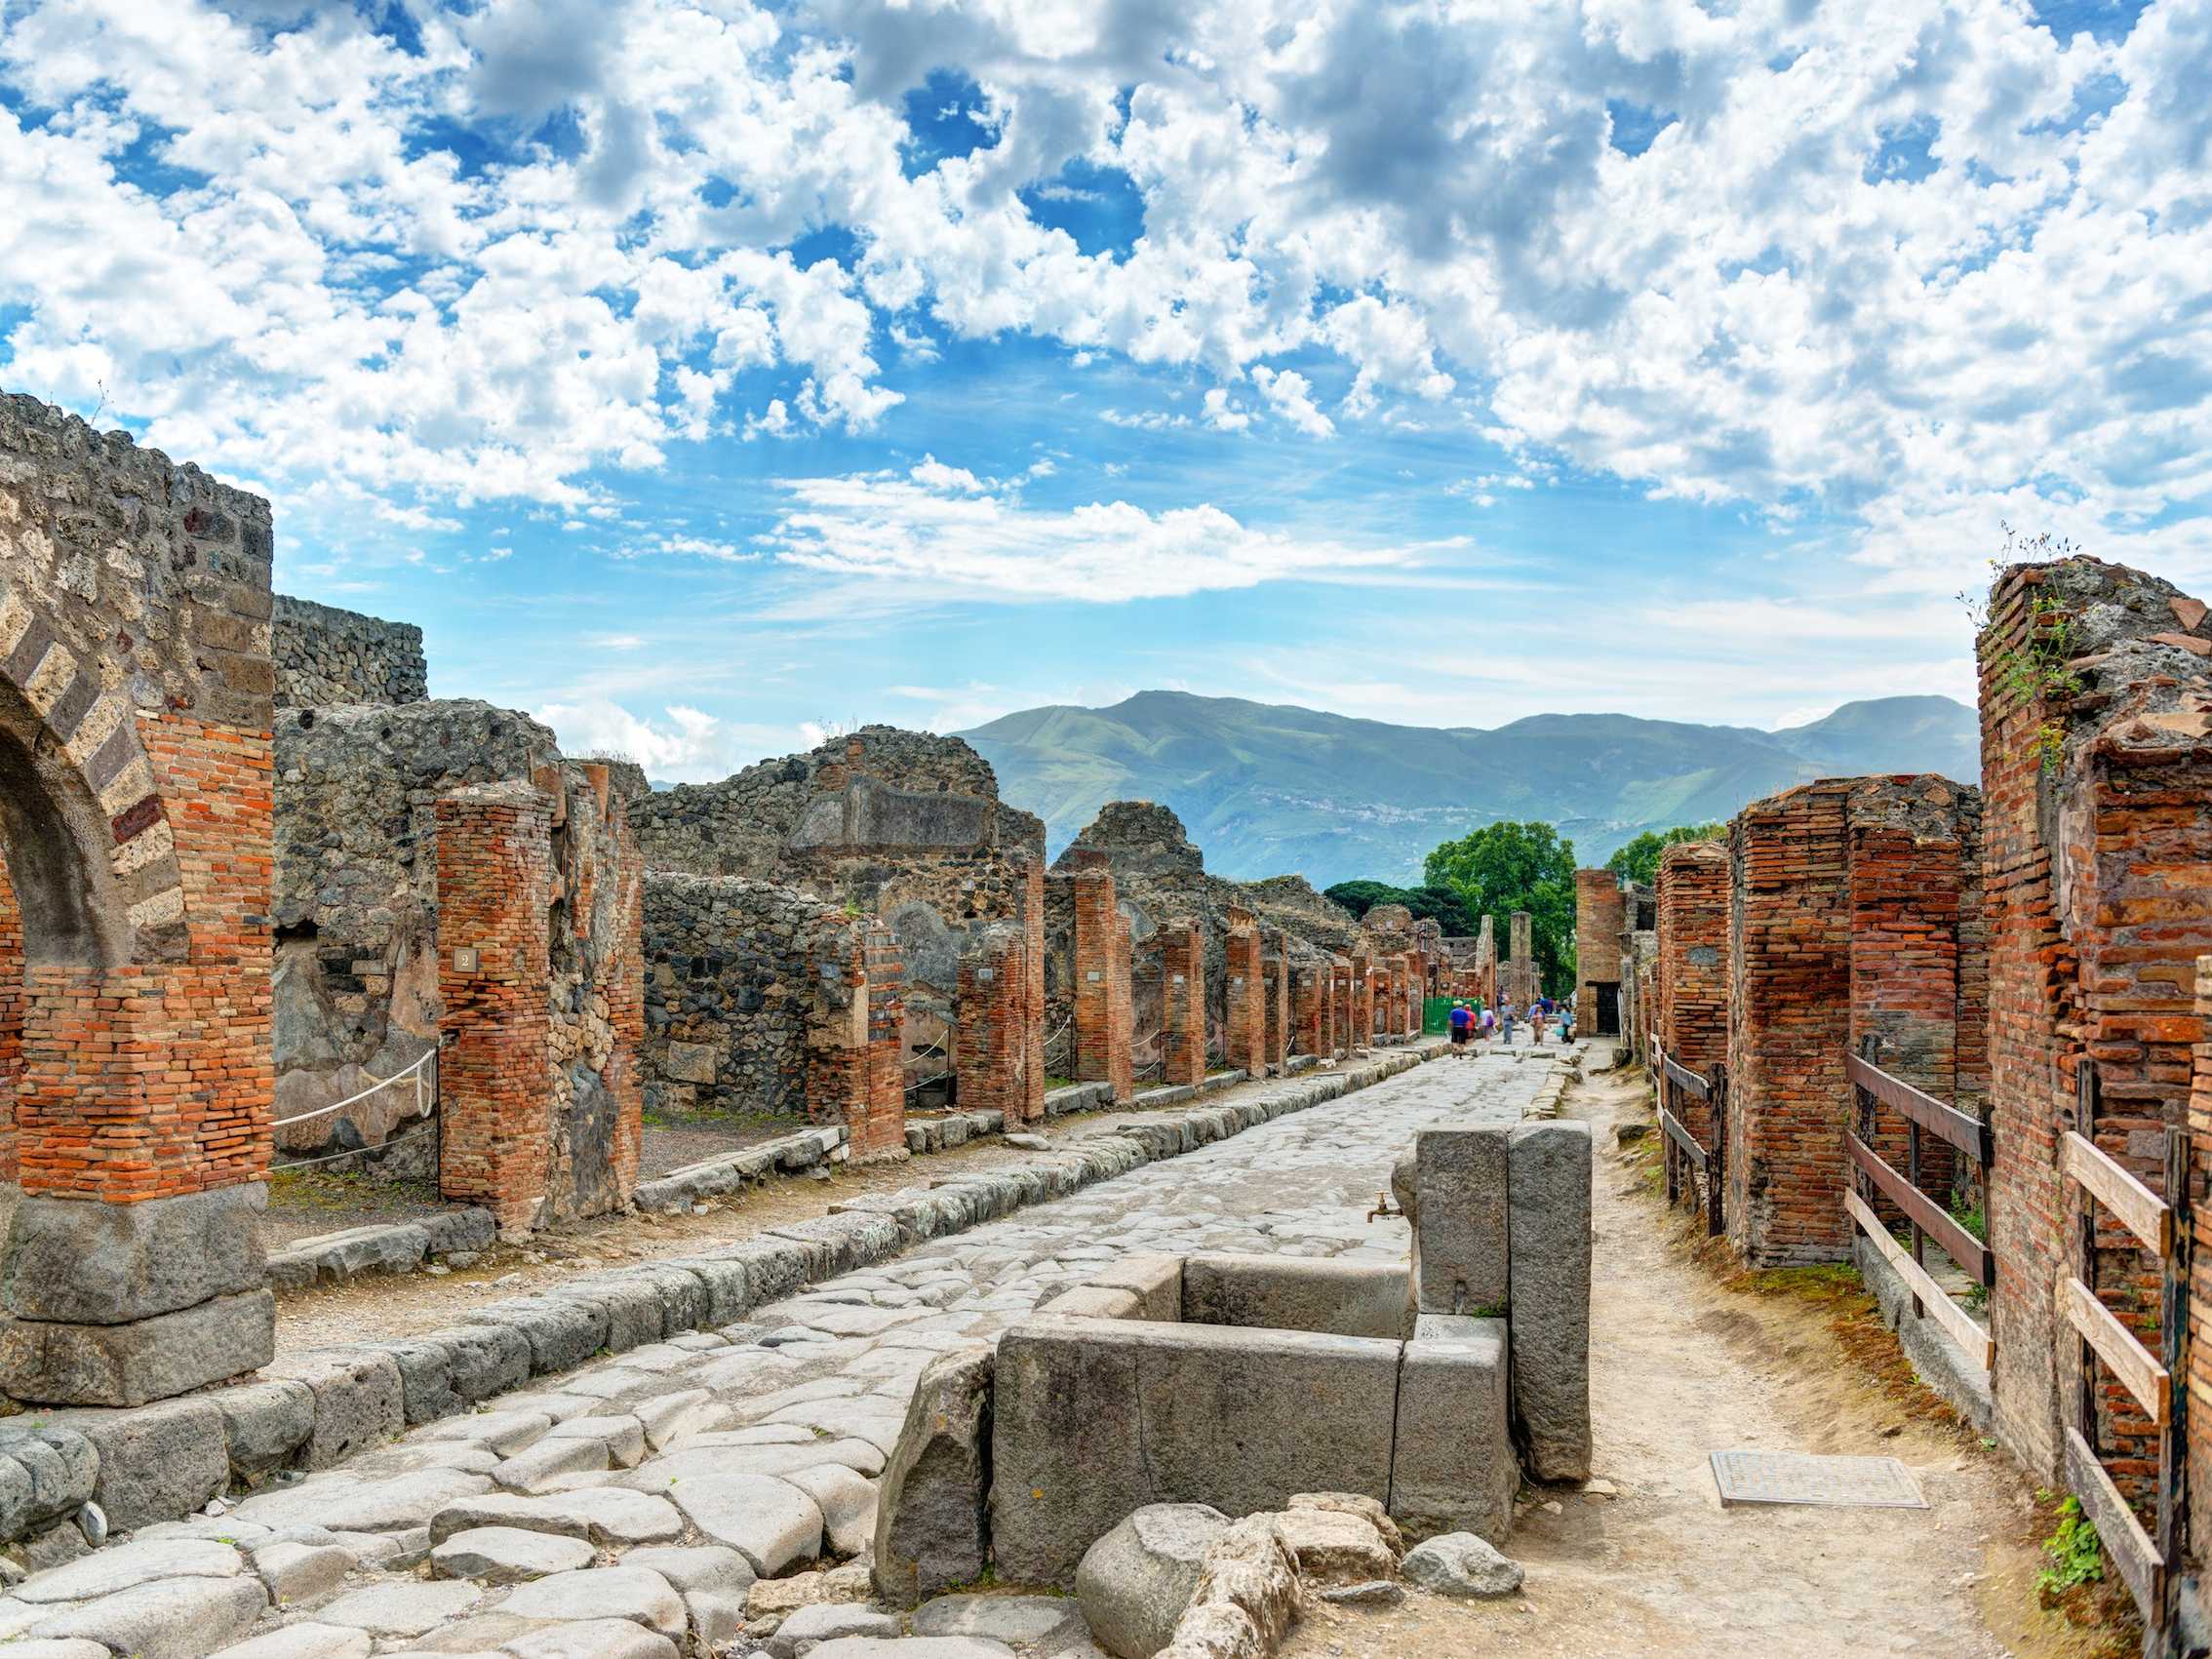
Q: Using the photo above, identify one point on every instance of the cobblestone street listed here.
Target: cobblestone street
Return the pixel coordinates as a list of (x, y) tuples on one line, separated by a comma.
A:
[(636, 1502)]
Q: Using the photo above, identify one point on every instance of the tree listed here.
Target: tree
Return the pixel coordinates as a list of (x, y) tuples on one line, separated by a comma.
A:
[(1437, 904), (1505, 867), (1639, 861)]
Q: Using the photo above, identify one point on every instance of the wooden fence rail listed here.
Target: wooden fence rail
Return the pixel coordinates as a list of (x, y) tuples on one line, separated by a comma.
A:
[(2091, 1177), (1874, 1177), (1675, 1079)]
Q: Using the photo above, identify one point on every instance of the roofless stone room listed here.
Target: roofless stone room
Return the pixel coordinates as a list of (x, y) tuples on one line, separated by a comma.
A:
[(1240, 831)]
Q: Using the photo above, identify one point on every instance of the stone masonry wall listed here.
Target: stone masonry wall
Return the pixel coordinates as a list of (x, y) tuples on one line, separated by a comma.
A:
[(2098, 863), (325, 656), (356, 910)]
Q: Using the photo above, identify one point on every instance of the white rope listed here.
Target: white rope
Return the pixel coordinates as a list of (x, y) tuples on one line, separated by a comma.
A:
[(355, 1099)]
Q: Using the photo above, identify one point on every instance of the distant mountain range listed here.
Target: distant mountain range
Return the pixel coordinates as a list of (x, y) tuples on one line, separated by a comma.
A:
[(1271, 790)]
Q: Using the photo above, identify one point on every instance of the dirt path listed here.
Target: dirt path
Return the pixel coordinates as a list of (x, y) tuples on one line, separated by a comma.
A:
[(1684, 1364)]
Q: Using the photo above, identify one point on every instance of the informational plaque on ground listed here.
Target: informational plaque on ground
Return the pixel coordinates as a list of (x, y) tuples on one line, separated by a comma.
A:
[(1748, 1477)]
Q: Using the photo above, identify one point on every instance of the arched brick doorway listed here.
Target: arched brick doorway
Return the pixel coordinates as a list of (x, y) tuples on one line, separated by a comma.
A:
[(135, 827)]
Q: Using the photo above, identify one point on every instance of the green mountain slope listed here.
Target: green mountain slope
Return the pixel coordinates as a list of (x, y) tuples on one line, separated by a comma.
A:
[(1267, 789)]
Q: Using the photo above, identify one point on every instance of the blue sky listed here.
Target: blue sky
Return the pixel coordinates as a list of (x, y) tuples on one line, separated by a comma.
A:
[(700, 374)]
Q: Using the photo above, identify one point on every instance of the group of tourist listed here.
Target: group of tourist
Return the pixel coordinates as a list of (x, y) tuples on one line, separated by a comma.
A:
[(1472, 1020)]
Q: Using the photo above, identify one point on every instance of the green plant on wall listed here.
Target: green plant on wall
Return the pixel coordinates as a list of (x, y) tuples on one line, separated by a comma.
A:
[(2077, 1555), (2036, 672)]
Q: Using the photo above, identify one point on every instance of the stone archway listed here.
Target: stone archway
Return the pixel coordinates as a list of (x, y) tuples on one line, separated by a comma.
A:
[(135, 822)]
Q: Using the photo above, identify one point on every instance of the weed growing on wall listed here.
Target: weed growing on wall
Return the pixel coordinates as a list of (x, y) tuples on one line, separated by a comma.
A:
[(2037, 673)]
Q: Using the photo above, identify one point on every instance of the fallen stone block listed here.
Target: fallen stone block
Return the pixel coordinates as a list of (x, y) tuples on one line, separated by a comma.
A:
[(1134, 1583), (1461, 1564)]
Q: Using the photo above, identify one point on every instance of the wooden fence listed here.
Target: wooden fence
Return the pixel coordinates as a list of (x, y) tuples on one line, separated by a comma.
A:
[(1684, 1150)]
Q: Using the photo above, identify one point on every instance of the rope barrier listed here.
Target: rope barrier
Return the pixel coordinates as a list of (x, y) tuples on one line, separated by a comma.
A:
[(357, 1152)]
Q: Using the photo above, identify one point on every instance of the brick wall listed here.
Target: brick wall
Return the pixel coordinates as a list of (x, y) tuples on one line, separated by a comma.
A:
[(2098, 869), (1340, 1004), (1920, 969), (856, 1047), (1102, 994), (1182, 1000), (11, 1017), (2199, 1381), (1245, 1026), (1362, 1027), (494, 869), (1598, 917)]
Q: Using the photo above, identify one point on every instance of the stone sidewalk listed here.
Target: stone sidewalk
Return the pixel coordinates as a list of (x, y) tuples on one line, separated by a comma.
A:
[(628, 1508)]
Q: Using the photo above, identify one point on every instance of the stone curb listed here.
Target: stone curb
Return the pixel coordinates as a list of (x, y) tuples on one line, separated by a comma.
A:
[(400, 1247), (724, 1173), (319, 1408)]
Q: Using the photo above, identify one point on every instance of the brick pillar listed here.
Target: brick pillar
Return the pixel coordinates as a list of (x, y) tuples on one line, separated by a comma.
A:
[(1309, 996), (1183, 1004), (625, 1010), (1597, 919), (2097, 863), (1032, 912), (494, 1064), (10, 1018), (1789, 1021), (881, 1125), (1362, 1031), (1340, 1004), (1416, 988), (1247, 1023), (1690, 985), (1277, 968), (1102, 1017), (992, 1034)]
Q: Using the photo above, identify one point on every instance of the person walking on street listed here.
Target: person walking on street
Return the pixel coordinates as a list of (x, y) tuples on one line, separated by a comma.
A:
[(1462, 1025)]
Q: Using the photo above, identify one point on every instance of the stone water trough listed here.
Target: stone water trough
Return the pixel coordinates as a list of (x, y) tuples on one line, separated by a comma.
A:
[(1238, 1382)]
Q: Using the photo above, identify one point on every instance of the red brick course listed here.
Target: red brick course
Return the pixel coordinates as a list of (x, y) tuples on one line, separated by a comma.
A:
[(994, 1035), (1277, 970), (495, 1072)]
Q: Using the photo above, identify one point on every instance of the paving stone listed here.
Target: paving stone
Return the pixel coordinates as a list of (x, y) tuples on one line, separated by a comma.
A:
[(770, 1522), (175, 1618), (67, 1647), (697, 1567), (848, 1503), (717, 1616), (1021, 1621), (911, 1647), (311, 1641), (808, 1627), (293, 1571), (126, 1565), (508, 1555), (505, 1431), (532, 1469), (632, 1593), (707, 1455), (608, 1516), (594, 1639), (1134, 1583), (364, 1506), (622, 1435), (406, 1608)]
